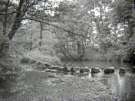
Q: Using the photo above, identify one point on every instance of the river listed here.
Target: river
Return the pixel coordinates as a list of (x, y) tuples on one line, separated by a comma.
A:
[(44, 86)]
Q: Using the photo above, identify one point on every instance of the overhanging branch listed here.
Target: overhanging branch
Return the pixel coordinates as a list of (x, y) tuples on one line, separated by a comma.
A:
[(66, 30)]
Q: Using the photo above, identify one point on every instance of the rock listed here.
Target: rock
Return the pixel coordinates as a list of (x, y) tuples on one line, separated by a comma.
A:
[(84, 70), (40, 66), (72, 70), (58, 68), (47, 65), (133, 69), (51, 76), (78, 72), (32, 61), (109, 70), (95, 70), (77, 68), (51, 70), (122, 71), (25, 60), (65, 69)]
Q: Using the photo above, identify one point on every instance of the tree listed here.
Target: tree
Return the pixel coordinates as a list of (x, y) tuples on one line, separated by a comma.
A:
[(12, 15), (124, 13)]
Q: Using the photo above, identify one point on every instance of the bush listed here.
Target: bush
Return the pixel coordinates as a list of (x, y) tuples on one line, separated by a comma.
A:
[(25, 60), (9, 69)]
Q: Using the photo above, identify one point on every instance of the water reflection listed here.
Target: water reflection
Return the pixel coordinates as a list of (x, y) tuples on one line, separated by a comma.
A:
[(122, 86)]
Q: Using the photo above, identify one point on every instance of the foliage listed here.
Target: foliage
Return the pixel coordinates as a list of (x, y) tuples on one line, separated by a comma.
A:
[(67, 29), (124, 13)]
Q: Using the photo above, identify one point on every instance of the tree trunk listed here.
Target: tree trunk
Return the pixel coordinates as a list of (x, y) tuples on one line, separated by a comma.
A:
[(41, 34), (18, 19), (5, 18), (80, 49), (31, 40), (4, 46), (130, 29)]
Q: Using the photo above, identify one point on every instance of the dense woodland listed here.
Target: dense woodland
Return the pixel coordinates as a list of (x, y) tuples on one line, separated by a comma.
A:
[(53, 31)]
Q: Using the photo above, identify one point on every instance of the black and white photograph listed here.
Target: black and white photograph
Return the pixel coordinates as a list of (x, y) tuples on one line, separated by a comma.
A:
[(67, 50)]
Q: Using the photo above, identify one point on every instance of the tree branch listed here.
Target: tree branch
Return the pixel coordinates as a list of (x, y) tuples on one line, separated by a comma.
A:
[(66, 30)]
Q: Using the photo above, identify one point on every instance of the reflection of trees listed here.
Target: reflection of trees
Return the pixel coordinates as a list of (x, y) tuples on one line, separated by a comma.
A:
[(126, 86), (130, 88)]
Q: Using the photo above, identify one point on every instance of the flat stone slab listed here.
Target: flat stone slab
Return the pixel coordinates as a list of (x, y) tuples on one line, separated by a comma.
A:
[(84, 70), (95, 70), (109, 70), (122, 71)]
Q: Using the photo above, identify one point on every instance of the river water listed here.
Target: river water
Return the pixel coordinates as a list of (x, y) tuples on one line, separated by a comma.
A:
[(44, 86)]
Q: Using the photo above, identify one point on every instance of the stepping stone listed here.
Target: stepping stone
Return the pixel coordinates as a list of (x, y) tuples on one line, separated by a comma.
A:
[(109, 70), (56, 68), (133, 69), (84, 70), (95, 70), (72, 70), (122, 71), (47, 65), (65, 69)]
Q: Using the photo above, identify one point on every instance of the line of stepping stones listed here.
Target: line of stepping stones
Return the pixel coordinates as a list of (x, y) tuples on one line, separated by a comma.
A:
[(77, 70), (49, 68)]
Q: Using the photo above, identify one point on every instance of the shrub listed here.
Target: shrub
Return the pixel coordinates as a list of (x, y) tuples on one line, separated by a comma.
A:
[(25, 60)]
